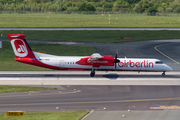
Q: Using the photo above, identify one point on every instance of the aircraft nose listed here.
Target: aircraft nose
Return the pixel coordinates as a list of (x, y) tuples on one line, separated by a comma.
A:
[(168, 68)]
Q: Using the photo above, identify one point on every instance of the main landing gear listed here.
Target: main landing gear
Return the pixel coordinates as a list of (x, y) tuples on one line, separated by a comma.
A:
[(92, 73), (163, 74)]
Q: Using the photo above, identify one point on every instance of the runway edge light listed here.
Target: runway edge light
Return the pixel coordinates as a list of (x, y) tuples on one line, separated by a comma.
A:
[(15, 113)]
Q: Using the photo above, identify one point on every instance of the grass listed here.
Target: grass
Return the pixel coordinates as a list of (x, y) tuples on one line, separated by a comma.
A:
[(83, 20), (7, 56), (97, 36), (7, 89), (56, 115)]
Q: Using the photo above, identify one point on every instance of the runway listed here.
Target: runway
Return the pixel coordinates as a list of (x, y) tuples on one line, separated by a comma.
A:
[(83, 78)]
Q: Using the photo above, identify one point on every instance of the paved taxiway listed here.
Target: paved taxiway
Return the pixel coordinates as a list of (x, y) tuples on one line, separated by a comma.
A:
[(92, 97), (135, 115)]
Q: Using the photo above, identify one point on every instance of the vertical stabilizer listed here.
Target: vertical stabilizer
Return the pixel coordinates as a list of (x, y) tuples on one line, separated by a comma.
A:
[(20, 46)]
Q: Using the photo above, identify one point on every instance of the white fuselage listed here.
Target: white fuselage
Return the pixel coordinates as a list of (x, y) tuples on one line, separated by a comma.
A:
[(125, 64)]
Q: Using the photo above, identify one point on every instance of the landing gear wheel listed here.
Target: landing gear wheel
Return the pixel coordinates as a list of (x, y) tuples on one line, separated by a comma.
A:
[(163, 74), (92, 73)]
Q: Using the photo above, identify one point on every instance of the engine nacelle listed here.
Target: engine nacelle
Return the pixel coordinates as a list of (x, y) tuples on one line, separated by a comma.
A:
[(103, 61)]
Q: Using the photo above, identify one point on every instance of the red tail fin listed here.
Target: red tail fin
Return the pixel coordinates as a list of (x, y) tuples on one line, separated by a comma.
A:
[(20, 46)]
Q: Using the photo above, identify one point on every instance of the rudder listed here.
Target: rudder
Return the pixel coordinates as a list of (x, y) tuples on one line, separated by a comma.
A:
[(20, 46)]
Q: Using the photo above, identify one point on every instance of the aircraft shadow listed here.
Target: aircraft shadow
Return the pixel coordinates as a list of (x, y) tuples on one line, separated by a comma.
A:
[(111, 76)]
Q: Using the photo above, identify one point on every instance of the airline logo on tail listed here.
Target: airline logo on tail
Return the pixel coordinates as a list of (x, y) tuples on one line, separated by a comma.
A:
[(19, 47)]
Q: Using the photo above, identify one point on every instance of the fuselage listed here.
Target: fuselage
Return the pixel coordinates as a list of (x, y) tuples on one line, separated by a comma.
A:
[(70, 63)]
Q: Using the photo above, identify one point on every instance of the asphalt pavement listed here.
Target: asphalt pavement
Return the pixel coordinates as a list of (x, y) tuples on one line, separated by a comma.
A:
[(92, 97), (83, 78), (134, 115)]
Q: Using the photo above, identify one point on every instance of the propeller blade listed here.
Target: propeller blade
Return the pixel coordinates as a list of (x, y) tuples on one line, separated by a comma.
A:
[(116, 60), (115, 65)]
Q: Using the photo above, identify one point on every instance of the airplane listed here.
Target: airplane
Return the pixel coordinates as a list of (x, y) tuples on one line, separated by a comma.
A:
[(95, 62)]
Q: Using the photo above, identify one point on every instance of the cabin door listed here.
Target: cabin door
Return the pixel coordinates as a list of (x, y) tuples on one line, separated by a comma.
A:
[(61, 63)]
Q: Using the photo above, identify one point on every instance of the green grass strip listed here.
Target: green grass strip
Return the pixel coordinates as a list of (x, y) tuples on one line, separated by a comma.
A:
[(7, 89), (97, 36), (56, 115), (84, 20)]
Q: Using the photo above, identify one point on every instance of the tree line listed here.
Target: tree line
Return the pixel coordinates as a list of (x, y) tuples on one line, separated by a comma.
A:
[(124, 6)]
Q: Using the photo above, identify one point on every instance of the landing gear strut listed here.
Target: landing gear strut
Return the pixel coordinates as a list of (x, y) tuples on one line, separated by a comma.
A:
[(92, 73), (163, 74)]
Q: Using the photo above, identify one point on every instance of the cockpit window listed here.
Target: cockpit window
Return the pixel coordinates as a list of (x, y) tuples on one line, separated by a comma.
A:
[(159, 62)]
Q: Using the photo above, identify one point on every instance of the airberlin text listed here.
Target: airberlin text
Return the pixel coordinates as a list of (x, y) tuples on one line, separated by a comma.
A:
[(97, 61), (130, 63)]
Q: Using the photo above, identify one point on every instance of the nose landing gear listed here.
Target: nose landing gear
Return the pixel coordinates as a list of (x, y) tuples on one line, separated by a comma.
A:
[(163, 74), (92, 73)]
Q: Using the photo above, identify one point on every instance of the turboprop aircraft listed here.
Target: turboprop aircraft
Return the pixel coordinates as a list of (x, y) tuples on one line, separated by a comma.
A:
[(95, 62)]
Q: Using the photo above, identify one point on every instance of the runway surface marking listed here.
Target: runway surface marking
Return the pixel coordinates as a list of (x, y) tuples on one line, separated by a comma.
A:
[(68, 43), (171, 63), (89, 102), (164, 54), (166, 107), (39, 94)]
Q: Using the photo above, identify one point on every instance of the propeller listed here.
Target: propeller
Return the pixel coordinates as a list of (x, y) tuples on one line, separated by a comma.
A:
[(116, 60)]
